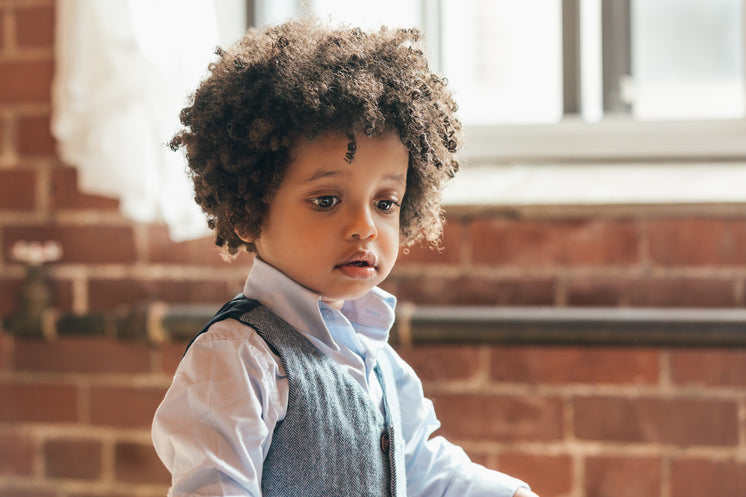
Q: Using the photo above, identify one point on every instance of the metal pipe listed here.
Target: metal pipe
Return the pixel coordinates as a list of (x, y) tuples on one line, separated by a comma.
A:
[(572, 326), (418, 325)]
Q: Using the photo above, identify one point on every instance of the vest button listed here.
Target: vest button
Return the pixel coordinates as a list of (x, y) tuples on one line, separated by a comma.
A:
[(385, 442)]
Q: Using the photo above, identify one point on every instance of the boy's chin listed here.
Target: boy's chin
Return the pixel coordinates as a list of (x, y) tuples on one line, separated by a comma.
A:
[(339, 299)]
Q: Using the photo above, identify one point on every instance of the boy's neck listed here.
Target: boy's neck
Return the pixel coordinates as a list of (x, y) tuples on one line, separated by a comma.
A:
[(337, 304)]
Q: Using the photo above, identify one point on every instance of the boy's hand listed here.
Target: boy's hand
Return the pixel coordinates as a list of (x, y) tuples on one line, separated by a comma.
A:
[(524, 492)]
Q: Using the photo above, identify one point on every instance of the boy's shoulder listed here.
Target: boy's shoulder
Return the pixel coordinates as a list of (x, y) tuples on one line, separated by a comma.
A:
[(230, 330), (231, 310)]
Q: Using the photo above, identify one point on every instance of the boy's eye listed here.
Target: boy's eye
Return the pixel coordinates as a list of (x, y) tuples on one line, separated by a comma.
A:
[(387, 205), (325, 201)]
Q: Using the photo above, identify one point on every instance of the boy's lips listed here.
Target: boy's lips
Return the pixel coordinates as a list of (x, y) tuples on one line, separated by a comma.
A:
[(360, 265)]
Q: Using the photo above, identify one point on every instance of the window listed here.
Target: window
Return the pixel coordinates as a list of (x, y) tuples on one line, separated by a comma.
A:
[(686, 59), (510, 62), (503, 59), (552, 90)]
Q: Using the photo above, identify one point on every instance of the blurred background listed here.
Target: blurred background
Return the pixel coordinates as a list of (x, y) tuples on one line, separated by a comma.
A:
[(583, 327)]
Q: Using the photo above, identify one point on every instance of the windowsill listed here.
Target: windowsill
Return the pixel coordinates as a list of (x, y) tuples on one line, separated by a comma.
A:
[(612, 139), (530, 184), (612, 162)]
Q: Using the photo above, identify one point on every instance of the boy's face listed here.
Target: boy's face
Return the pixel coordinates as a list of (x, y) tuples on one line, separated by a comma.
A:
[(333, 226)]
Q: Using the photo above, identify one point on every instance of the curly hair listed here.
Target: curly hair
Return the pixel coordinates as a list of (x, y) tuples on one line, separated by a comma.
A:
[(302, 79)]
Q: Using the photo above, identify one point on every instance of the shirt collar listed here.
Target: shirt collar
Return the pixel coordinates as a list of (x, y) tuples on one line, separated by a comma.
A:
[(372, 314)]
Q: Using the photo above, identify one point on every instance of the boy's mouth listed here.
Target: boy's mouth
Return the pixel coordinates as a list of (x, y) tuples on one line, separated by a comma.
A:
[(360, 265), (361, 258)]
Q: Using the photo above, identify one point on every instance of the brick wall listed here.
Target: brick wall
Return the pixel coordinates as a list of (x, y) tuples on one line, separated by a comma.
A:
[(574, 421)]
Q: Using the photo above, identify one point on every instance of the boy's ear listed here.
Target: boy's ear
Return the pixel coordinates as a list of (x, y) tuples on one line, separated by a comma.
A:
[(238, 227), (243, 236)]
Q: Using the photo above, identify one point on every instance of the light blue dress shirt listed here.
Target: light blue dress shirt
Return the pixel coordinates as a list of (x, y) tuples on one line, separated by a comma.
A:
[(214, 427)]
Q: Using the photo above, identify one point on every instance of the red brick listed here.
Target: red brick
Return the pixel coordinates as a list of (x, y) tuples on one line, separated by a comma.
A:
[(38, 402), (715, 367), (199, 252), (36, 490), (138, 463), (126, 407), (6, 346), (73, 458), (482, 457), (605, 292), (26, 81), (698, 242), (65, 193), (464, 290), (170, 356), (438, 363), (10, 290), (698, 477), (107, 294), (486, 417), (62, 295), (558, 365), (2, 36), (652, 292), (35, 137), (682, 422), (81, 355), (548, 243), (547, 475), (17, 189), (11, 293), (35, 26), (449, 251), (16, 454), (682, 292), (610, 476), (80, 244)]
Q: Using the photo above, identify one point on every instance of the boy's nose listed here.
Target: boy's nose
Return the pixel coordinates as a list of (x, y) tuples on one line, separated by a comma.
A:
[(361, 224)]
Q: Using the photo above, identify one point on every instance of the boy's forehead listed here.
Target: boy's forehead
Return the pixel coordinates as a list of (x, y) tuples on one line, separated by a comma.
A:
[(326, 157)]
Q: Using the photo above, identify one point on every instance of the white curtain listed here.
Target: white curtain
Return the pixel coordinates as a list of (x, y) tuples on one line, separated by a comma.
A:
[(124, 70)]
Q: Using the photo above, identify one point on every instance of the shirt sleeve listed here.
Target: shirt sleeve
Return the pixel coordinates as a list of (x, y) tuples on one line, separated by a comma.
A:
[(214, 426), (436, 467)]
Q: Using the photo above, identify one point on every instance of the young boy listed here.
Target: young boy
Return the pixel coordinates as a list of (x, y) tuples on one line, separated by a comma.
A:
[(322, 151)]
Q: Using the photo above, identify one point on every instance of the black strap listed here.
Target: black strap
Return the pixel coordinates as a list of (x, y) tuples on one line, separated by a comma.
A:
[(233, 309)]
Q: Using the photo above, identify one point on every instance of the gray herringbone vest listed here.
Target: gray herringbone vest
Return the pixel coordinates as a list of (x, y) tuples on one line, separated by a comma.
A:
[(333, 440)]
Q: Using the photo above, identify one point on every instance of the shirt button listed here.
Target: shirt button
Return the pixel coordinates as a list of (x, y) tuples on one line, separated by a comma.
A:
[(385, 442)]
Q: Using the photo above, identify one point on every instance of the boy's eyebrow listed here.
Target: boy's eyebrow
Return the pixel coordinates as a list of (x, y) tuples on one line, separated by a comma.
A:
[(322, 173), (325, 173), (399, 178)]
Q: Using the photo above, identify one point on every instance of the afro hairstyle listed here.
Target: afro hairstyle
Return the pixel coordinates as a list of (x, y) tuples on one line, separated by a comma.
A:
[(300, 80)]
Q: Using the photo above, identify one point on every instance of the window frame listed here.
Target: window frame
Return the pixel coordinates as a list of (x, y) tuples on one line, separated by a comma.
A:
[(616, 137)]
